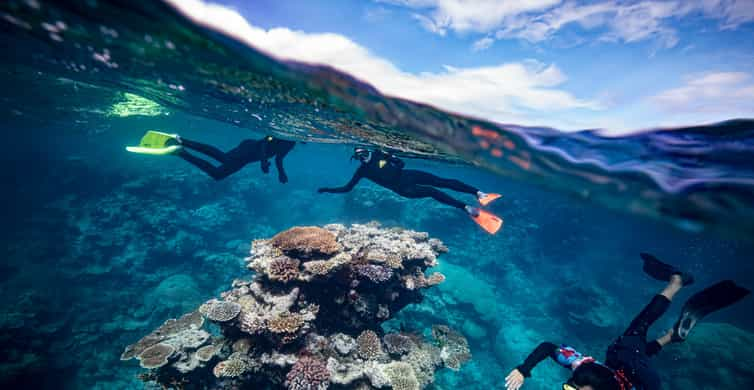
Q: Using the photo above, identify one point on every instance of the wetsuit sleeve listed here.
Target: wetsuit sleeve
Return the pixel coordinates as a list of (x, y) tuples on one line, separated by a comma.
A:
[(564, 355), (542, 352), (349, 186)]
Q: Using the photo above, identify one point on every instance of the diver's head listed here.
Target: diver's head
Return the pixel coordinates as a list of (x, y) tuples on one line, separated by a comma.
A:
[(361, 154), (593, 376)]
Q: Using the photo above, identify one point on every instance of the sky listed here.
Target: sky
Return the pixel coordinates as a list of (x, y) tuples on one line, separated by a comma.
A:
[(620, 66)]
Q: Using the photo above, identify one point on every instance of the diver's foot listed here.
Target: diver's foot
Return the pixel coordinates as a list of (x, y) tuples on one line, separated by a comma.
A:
[(472, 211), (663, 271), (485, 199)]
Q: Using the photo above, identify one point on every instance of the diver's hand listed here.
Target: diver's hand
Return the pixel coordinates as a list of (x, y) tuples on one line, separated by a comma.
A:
[(514, 380), (283, 178), (322, 190), (265, 166)]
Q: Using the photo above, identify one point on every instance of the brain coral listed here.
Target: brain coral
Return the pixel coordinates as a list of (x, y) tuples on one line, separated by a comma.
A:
[(284, 269), (306, 242), (156, 356), (369, 345), (308, 374), (220, 311)]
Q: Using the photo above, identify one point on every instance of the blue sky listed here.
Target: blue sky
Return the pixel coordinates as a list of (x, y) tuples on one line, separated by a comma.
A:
[(617, 65)]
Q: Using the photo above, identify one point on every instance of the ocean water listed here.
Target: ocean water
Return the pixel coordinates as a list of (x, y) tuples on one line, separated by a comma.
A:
[(102, 246)]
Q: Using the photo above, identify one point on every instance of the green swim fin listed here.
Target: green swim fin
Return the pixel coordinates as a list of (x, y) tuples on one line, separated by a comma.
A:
[(712, 298), (156, 143)]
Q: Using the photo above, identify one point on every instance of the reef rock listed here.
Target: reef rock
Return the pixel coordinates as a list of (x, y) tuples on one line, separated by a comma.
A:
[(310, 317)]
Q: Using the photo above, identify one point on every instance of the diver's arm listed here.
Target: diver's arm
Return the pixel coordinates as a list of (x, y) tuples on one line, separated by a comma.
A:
[(542, 352), (265, 165), (346, 188), (281, 171), (397, 162)]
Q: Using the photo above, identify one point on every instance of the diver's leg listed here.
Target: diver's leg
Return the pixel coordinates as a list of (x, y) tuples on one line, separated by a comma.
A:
[(428, 179), (217, 173), (417, 191), (655, 309), (209, 150)]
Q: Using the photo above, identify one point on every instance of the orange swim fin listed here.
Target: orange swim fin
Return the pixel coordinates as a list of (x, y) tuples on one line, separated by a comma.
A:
[(488, 221), (488, 198)]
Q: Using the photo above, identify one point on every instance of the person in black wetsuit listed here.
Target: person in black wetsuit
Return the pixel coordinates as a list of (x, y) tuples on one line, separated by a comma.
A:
[(388, 171), (248, 151), (627, 365)]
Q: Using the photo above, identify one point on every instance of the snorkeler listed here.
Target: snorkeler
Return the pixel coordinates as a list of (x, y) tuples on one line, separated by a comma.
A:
[(627, 365), (387, 170), (248, 151)]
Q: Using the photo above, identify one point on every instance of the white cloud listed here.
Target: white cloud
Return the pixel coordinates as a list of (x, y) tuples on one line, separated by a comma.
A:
[(472, 15), (727, 94), (482, 44), (538, 20), (509, 92)]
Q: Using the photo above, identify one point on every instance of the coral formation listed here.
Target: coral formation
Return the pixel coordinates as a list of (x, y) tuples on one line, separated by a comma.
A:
[(308, 374), (296, 333), (369, 345), (284, 269), (220, 311), (306, 242), (156, 356)]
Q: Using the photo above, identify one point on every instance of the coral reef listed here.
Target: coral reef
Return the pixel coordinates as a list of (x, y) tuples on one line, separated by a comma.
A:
[(291, 327)]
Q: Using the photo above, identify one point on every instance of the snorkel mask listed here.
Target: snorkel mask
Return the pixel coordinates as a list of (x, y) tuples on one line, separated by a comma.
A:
[(362, 155)]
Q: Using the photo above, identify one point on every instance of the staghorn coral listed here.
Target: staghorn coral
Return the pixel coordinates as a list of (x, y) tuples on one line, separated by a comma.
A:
[(369, 345), (306, 242), (156, 356), (397, 343), (285, 323), (220, 311), (284, 269), (308, 374)]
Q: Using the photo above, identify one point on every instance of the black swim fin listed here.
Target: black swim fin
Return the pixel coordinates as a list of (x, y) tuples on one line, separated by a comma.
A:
[(662, 271), (712, 298)]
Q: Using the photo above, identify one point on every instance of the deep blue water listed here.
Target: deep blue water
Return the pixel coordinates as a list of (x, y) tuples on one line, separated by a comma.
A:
[(102, 246)]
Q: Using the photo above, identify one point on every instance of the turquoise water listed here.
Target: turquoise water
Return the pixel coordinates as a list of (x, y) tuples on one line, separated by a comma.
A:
[(103, 246)]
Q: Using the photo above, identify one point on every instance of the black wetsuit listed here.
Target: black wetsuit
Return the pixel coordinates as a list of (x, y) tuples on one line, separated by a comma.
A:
[(387, 170), (248, 151), (629, 354)]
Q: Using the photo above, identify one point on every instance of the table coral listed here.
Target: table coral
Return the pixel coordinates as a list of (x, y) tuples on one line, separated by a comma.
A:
[(306, 242), (220, 311)]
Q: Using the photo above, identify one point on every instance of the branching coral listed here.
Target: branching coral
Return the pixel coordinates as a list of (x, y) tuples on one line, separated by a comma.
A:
[(285, 323), (373, 272), (220, 311), (284, 269), (308, 374), (306, 242), (369, 345), (402, 376)]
